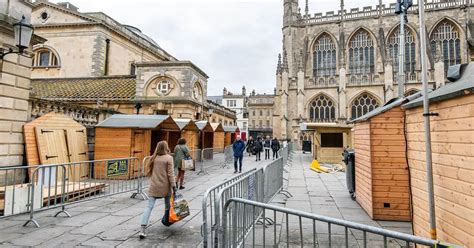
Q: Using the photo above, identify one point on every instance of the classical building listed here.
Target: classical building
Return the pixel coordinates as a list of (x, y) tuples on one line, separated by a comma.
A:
[(92, 60), (15, 85), (238, 103), (340, 65), (260, 108)]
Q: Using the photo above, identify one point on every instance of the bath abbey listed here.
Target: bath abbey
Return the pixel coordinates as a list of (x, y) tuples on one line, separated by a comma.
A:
[(340, 65)]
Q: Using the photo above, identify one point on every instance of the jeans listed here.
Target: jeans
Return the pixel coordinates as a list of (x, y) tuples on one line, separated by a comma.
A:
[(149, 208), (257, 155), (275, 154), (239, 159), (267, 153)]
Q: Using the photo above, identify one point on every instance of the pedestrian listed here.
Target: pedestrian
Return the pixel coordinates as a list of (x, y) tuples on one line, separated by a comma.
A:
[(250, 145), (258, 146), (267, 146), (239, 148), (160, 170), (181, 151), (275, 147)]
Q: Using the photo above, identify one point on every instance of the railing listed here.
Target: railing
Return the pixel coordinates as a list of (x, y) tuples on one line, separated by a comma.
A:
[(237, 217), (410, 77), (363, 80), (322, 82), (370, 11), (58, 185)]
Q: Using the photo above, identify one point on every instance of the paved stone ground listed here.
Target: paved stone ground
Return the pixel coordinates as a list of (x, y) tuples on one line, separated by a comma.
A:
[(324, 194), (114, 221)]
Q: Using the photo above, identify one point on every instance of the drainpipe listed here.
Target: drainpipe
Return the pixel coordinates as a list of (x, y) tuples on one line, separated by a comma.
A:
[(107, 48)]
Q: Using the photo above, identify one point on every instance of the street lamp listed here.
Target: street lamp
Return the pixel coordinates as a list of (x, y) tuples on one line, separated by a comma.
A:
[(23, 32)]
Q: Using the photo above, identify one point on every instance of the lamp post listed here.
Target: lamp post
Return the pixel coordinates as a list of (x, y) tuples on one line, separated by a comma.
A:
[(210, 111), (23, 32), (401, 8)]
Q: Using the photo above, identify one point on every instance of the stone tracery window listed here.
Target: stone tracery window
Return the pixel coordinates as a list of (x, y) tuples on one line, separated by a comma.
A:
[(361, 53), (447, 35), (322, 109), (324, 57), (363, 105), (410, 50)]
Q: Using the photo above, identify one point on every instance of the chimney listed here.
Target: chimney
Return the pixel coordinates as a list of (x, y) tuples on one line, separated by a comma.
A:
[(224, 92), (244, 91), (69, 6)]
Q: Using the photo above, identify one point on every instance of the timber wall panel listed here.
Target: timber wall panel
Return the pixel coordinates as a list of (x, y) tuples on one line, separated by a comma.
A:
[(453, 172), (363, 168)]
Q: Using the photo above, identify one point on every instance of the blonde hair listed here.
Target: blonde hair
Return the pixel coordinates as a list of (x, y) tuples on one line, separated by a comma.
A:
[(160, 150)]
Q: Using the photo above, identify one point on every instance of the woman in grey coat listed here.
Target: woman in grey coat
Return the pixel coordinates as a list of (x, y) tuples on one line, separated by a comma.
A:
[(181, 151)]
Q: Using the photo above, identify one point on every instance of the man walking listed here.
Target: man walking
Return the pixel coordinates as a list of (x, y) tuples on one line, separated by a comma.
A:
[(275, 147), (267, 146), (239, 148)]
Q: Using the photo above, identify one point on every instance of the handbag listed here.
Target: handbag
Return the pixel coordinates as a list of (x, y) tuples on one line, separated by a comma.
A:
[(187, 163), (179, 208)]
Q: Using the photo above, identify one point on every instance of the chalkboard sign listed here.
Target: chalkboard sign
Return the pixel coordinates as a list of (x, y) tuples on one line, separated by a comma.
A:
[(117, 168)]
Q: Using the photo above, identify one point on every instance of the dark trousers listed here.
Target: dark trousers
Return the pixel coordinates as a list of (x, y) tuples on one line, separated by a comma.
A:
[(275, 154), (267, 153), (258, 155), (239, 159)]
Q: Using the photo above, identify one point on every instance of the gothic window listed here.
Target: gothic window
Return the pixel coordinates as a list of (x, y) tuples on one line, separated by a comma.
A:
[(45, 58), (361, 53), (410, 50), (324, 57), (447, 36), (322, 109), (363, 105)]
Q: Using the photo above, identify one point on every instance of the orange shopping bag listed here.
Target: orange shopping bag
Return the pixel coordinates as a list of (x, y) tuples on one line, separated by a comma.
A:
[(179, 208)]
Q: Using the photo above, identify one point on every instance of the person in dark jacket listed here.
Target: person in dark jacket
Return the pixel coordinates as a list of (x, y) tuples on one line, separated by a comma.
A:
[(275, 147), (239, 148), (267, 146), (258, 146), (250, 145)]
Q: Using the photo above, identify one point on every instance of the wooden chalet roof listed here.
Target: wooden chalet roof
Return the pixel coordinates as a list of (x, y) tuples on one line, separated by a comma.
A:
[(217, 127), (162, 122)]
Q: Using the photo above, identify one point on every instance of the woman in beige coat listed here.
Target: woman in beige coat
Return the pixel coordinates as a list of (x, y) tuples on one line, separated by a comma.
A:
[(160, 170)]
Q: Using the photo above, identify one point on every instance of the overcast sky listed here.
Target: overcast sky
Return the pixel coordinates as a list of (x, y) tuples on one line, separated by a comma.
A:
[(236, 42)]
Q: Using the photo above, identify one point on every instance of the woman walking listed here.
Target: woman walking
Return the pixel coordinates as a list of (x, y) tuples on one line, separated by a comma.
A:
[(160, 170), (250, 145), (181, 151)]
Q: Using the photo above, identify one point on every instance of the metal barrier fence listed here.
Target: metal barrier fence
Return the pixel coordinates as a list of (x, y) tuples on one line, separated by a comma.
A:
[(59, 185), (237, 213), (208, 202), (209, 154)]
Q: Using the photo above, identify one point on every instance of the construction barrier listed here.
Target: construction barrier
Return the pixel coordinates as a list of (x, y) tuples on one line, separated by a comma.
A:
[(59, 185), (299, 229)]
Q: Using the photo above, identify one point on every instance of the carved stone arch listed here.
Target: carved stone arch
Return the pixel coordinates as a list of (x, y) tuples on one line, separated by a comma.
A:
[(413, 60), (50, 48), (321, 107), (411, 91), (355, 101), (456, 44), (324, 60), (155, 78), (358, 67)]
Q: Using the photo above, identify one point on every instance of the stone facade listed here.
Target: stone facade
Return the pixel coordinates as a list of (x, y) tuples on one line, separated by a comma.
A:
[(106, 50), (340, 65), (260, 108), (14, 84)]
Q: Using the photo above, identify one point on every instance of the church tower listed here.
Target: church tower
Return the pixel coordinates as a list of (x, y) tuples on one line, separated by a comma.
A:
[(290, 10)]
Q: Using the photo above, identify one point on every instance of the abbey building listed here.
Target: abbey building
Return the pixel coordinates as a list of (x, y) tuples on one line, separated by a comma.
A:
[(337, 66)]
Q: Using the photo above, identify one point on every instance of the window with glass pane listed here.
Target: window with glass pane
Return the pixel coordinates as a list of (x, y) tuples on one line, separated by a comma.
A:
[(447, 36), (163, 87), (363, 105), (324, 57), (44, 58), (361, 54), (322, 109), (410, 50), (268, 123)]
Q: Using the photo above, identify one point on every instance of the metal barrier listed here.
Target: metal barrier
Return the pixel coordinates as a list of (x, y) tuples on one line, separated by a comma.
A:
[(249, 187), (237, 212), (13, 190), (273, 179), (209, 199), (59, 185), (208, 154), (228, 156)]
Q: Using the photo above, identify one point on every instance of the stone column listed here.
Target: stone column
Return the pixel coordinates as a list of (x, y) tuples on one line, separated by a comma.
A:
[(439, 76), (342, 93), (388, 82), (300, 94), (284, 105)]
